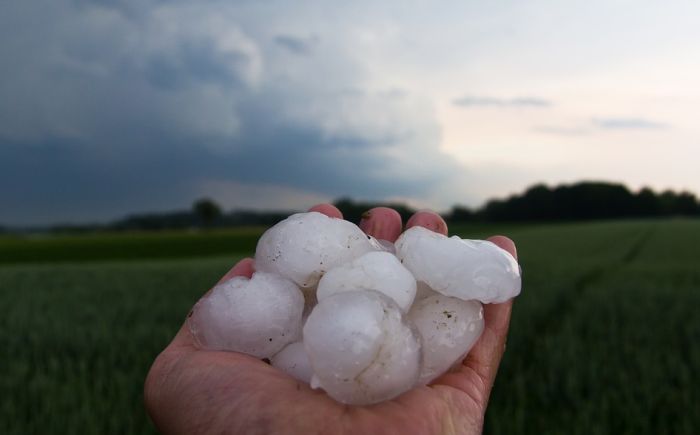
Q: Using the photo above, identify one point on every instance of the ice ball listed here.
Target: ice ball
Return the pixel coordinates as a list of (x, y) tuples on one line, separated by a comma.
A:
[(379, 271), (360, 348), (466, 269), (448, 327), (305, 245), (257, 316)]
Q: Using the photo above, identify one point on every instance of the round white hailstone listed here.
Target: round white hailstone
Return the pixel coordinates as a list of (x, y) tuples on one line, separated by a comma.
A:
[(305, 245), (360, 348), (466, 269), (293, 361), (257, 316), (449, 327), (380, 271)]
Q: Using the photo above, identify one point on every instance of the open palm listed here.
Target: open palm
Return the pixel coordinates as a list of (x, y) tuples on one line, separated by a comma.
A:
[(189, 390)]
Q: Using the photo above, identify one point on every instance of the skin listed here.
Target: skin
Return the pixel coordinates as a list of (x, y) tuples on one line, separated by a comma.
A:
[(190, 390)]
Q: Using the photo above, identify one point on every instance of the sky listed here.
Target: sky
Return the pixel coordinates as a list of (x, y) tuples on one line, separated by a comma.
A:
[(114, 107)]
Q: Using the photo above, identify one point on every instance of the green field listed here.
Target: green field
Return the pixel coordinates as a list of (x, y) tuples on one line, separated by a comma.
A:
[(605, 337)]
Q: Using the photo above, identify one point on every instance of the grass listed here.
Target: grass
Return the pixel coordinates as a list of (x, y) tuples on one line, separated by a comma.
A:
[(610, 343), (604, 339), (127, 246)]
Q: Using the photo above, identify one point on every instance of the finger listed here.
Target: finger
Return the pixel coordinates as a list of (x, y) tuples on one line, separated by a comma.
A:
[(428, 219), (327, 209), (506, 244), (486, 355), (245, 267), (382, 223)]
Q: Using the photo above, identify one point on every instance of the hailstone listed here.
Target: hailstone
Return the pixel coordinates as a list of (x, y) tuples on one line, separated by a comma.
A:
[(448, 327), (465, 269), (294, 361), (305, 245), (364, 319), (380, 271), (360, 348), (257, 316)]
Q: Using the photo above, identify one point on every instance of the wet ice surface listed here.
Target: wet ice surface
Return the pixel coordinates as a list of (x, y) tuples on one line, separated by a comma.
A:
[(448, 328), (360, 348), (258, 316), (466, 269), (365, 320), (306, 245), (380, 271)]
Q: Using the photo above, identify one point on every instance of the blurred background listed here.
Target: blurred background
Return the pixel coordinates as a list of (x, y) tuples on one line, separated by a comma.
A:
[(145, 145)]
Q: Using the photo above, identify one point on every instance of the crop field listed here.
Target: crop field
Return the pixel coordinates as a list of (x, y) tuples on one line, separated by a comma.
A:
[(605, 337)]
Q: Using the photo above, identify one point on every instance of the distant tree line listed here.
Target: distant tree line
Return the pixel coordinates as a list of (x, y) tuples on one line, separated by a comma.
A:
[(205, 213), (578, 201), (582, 201)]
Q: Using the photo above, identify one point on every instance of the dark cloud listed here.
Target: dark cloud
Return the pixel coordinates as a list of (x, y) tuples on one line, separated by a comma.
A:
[(60, 180), (480, 101), (296, 45), (628, 124), (127, 110), (196, 60)]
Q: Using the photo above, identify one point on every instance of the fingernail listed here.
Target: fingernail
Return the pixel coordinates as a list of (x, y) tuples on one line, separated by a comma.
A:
[(429, 220), (382, 223)]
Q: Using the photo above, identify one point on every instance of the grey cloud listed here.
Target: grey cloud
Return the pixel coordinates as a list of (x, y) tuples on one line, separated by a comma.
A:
[(128, 114), (196, 60), (628, 124), (296, 45), (481, 101), (72, 182)]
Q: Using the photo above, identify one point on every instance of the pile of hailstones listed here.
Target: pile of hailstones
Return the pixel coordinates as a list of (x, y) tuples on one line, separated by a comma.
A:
[(363, 319)]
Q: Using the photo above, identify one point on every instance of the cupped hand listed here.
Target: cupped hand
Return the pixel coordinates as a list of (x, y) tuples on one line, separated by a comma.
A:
[(190, 390)]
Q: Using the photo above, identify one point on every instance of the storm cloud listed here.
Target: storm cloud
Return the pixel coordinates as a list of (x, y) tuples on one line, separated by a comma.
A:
[(109, 108)]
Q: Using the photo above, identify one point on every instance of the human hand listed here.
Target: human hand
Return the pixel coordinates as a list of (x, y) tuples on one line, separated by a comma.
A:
[(190, 390)]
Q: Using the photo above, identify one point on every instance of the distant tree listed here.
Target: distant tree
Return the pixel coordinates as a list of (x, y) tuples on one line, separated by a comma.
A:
[(460, 213), (587, 200), (538, 202), (206, 211), (676, 204), (647, 203)]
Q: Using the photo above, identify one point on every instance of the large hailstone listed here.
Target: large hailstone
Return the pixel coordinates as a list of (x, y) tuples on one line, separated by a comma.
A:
[(305, 245), (448, 327), (380, 271), (257, 316), (360, 348), (465, 269)]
